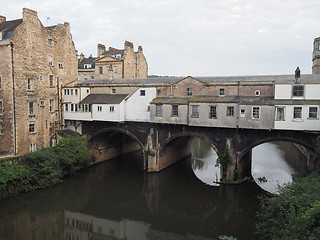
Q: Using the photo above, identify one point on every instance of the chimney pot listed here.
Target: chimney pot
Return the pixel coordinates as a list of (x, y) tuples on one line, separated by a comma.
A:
[(3, 19)]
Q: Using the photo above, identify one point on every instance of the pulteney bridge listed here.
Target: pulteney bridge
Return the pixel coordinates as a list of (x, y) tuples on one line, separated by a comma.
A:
[(164, 144)]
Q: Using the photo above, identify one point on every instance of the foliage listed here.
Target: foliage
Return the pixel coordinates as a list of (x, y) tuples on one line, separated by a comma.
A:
[(43, 168), (318, 145), (223, 237), (294, 213), (224, 159)]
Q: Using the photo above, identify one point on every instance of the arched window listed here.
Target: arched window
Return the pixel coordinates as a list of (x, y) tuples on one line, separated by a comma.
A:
[(33, 147)]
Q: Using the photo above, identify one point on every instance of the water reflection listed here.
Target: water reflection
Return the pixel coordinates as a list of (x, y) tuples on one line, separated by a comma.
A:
[(204, 159), (110, 202)]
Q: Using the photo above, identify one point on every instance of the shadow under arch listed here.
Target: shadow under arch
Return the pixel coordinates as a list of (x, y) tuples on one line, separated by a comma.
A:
[(109, 143), (178, 147)]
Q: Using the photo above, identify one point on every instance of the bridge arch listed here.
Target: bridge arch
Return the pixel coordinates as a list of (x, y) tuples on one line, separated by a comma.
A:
[(112, 142)]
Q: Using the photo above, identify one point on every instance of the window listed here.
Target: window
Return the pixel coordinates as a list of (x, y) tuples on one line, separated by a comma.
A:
[(257, 93), (40, 78), (175, 111), (51, 80), (31, 109), (99, 108), (33, 147), (222, 92), (118, 55), (111, 109), (32, 127), (255, 113), (50, 61), (313, 112), (92, 76), (71, 107), (142, 92), (242, 112), (41, 103), (297, 112), (79, 77), (298, 90), (158, 110), (280, 114), (60, 64), (30, 84), (100, 70), (76, 92), (0, 84), (51, 105), (1, 108), (213, 112), (71, 91), (1, 129), (85, 77), (66, 107), (50, 42), (189, 91), (115, 69), (158, 92), (87, 66), (230, 111), (76, 107), (108, 68), (148, 109), (113, 90), (195, 111)]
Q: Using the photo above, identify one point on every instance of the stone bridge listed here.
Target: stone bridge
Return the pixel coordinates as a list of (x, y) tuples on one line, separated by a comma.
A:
[(164, 144)]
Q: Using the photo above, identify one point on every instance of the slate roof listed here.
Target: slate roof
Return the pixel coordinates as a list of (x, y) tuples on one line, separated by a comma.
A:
[(8, 27), (104, 99), (214, 99), (89, 60), (280, 79), (113, 53)]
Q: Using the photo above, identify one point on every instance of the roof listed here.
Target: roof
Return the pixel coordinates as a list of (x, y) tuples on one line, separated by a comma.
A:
[(89, 60), (214, 99), (279, 79), (8, 27), (113, 53), (104, 99)]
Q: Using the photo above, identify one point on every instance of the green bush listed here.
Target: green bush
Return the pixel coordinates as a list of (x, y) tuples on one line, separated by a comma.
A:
[(294, 213), (43, 168)]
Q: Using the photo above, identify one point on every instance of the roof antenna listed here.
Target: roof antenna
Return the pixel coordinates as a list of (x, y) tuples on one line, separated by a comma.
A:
[(48, 18)]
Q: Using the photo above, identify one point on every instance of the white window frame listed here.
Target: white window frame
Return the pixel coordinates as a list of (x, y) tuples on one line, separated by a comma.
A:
[(60, 64), (66, 107), (1, 128), (111, 109), (213, 113), (40, 78), (30, 84), (32, 147), (301, 113), (50, 42), (284, 113), (242, 112), (257, 93), (295, 91), (175, 111), (51, 80), (230, 111), (115, 69), (158, 112), (256, 112), (32, 127), (222, 92), (31, 108), (113, 91), (317, 112), (99, 108), (51, 105), (50, 60), (195, 111), (142, 92)]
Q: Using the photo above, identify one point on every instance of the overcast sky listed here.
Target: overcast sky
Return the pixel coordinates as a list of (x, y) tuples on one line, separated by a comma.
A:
[(192, 37)]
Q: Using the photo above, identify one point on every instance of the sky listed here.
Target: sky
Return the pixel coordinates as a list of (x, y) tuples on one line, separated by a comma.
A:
[(192, 37)]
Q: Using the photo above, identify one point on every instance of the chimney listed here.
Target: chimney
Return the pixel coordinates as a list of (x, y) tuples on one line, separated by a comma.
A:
[(128, 44), (297, 75), (81, 57), (28, 14), (100, 49), (2, 19), (140, 49), (90, 56)]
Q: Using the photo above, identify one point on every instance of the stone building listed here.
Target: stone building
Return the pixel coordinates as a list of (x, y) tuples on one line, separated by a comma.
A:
[(36, 61), (113, 63), (316, 56)]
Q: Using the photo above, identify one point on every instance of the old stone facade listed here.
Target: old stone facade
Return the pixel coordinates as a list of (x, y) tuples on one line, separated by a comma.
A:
[(36, 61), (114, 63), (316, 56)]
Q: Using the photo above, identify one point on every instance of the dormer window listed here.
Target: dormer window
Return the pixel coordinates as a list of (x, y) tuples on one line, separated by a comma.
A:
[(87, 66), (298, 90), (118, 55)]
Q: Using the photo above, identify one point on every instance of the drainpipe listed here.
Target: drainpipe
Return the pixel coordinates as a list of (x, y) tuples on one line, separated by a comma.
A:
[(238, 103), (14, 104), (59, 113)]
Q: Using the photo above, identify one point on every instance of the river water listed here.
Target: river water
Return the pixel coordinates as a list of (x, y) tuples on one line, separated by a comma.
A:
[(115, 201)]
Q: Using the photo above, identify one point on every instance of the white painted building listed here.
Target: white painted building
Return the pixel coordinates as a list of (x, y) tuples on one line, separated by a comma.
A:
[(297, 104)]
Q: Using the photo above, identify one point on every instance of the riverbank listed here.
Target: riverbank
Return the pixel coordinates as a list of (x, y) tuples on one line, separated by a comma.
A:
[(43, 168)]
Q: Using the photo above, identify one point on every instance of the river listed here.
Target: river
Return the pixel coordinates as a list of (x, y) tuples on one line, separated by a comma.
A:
[(115, 201)]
